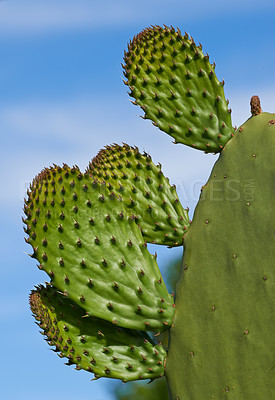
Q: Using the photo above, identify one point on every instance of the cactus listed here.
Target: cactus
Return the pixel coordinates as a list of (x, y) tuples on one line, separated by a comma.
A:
[(91, 247), (176, 86), (145, 190), (92, 344), (89, 232)]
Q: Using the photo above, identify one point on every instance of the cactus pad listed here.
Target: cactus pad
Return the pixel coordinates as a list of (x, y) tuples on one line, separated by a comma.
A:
[(94, 345), (93, 251), (224, 325), (145, 192), (177, 88)]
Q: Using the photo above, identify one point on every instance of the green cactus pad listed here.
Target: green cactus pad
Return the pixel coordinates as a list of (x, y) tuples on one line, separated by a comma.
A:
[(177, 88), (145, 192), (93, 251), (225, 321), (95, 345)]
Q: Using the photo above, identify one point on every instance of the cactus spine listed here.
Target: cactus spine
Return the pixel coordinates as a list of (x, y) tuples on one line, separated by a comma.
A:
[(89, 233)]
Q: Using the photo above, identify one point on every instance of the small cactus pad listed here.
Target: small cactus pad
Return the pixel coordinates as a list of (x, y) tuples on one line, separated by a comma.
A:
[(177, 88), (95, 345), (93, 251), (146, 193), (225, 324)]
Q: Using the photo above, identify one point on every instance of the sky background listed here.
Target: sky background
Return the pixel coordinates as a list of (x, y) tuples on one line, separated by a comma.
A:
[(62, 99)]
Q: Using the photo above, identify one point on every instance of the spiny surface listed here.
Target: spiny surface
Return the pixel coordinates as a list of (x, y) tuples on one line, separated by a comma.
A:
[(92, 344), (93, 251), (222, 345), (177, 88), (146, 194)]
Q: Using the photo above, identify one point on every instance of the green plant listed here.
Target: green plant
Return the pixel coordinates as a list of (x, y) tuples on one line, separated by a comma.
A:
[(89, 232)]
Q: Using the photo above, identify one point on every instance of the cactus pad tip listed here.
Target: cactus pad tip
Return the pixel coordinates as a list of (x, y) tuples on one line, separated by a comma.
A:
[(255, 106)]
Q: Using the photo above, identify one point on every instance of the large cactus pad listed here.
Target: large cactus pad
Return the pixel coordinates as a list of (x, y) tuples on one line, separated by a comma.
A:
[(222, 345)]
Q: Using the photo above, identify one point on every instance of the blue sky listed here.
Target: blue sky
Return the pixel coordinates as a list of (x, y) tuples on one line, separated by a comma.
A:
[(62, 99)]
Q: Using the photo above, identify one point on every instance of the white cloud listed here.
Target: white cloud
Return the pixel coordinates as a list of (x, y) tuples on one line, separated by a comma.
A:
[(74, 131), (17, 16), (29, 16)]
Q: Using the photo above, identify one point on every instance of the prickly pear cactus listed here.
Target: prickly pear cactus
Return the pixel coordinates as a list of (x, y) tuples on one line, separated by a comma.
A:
[(89, 233)]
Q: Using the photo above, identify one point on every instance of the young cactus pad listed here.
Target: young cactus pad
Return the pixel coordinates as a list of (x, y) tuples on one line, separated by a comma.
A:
[(95, 345), (177, 88), (145, 193)]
